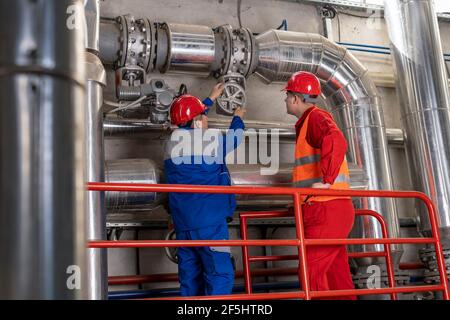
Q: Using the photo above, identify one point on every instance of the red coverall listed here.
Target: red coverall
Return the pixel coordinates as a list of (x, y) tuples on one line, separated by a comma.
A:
[(327, 265)]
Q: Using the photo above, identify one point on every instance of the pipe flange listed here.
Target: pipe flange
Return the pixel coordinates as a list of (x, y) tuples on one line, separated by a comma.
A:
[(137, 42), (152, 38), (123, 53), (242, 51), (224, 32), (166, 28)]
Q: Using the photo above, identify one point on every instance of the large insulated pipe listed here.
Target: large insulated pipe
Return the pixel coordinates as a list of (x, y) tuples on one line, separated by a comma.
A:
[(132, 171), (148, 172), (116, 127), (354, 102), (424, 98), (97, 273), (42, 195)]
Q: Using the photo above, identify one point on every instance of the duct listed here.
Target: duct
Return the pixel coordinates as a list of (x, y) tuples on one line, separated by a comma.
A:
[(42, 192), (354, 102), (97, 273), (424, 99), (146, 171)]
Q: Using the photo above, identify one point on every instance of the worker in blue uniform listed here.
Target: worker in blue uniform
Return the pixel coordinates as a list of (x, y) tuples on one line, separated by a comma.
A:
[(196, 216)]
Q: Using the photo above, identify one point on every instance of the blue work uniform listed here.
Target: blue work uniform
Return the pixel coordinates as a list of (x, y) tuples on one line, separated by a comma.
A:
[(197, 216)]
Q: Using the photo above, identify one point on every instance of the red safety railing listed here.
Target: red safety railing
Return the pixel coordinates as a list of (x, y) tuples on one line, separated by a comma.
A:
[(300, 242), (247, 259)]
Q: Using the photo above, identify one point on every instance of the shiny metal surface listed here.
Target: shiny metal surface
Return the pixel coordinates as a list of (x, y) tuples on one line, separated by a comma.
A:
[(191, 49), (353, 100), (131, 171), (109, 42), (97, 273), (422, 84), (92, 13), (128, 127), (42, 196), (146, 171)]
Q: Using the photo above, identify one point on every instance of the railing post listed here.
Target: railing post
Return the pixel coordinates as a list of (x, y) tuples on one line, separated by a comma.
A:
[(245, 256), (303, 267), (438, 247)]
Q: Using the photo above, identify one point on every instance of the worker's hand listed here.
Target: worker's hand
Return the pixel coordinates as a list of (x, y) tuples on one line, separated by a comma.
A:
[(239, 112), (319, 185), (216, 91)]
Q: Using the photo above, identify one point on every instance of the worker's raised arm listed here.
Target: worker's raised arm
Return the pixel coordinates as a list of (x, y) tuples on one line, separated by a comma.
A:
[(235, 133)]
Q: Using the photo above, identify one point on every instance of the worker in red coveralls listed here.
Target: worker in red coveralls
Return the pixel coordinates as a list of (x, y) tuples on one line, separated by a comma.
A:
[(320, 163)]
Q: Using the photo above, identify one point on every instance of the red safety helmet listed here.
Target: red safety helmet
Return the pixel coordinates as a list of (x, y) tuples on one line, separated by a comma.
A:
[(305, 83), (186, 108)]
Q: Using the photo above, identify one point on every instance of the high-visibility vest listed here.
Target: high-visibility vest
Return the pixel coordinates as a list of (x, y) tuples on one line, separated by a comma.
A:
[(307, 168)]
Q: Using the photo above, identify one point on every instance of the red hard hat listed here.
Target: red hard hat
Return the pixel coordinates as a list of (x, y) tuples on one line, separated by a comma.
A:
[(305, 83), (186, 108)]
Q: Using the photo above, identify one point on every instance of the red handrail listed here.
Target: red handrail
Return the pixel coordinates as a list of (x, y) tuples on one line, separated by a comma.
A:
[(244, 216), (301, 243)]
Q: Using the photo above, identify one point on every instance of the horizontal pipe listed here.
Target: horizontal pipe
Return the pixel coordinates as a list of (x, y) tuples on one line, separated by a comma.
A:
[(313, 294), (363, 45), (347, 44), (118, 126), (167, 292), (173, 277), (251, 243), (169, 277), (369, 51)]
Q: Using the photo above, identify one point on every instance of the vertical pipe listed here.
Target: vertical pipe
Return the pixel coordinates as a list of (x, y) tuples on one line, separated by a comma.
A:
[(92, 13), (42, 191), (424, 99), (97, 273)]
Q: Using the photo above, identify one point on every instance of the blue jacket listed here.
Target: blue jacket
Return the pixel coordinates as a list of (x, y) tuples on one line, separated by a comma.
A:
[(200, 165)]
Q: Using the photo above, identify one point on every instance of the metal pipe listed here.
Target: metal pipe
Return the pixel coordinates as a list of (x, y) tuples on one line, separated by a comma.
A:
[(97, 273), (172, 277), (424, 98), (132, 171), (109, 42), (147, 171), (92, 13), (355, 104), (140, 294), (125, 127), (42, 193)]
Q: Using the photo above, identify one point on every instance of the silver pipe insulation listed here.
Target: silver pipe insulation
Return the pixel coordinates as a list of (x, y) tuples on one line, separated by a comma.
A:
[(424, 98), (42, 196), (147, 171), (116, 127), (354, 102), (97, 273)]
